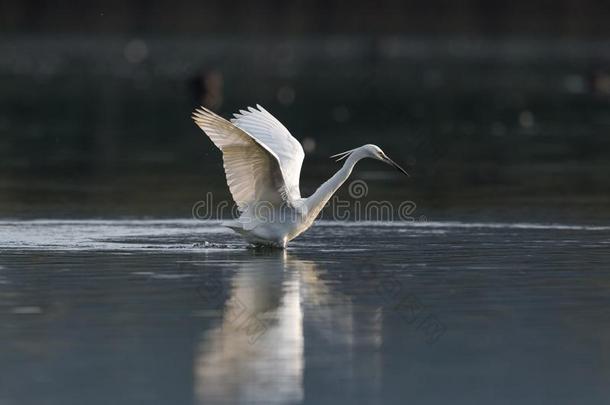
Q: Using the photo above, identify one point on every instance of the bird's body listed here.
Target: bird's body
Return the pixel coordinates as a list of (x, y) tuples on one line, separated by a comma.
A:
[(262, 162)]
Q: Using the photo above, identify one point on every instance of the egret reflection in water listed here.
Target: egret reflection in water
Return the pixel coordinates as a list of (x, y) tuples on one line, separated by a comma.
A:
[(256, 352)]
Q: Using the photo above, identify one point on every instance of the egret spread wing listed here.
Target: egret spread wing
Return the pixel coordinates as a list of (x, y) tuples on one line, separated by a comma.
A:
[(253, 170), (267, 130)]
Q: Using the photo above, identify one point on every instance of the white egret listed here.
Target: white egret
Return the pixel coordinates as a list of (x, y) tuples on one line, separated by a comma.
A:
[(262, 163)]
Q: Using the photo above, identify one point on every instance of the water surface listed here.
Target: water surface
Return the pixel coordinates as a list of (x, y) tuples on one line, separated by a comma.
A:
[(179, 311)]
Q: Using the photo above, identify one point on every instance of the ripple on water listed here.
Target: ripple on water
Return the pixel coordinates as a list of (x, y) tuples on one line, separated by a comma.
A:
[(188, 235)]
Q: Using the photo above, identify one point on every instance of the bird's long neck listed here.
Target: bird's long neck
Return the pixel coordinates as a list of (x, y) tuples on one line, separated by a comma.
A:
[(320, 197)]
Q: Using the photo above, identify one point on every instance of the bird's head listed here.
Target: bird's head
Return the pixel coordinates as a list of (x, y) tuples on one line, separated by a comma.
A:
[(370, 151)]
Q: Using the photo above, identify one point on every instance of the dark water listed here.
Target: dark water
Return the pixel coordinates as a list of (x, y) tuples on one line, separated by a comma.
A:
[(178, 311), (508, 301), (86, 130)]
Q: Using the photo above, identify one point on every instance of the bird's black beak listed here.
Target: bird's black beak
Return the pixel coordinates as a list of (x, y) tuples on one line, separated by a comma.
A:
[(393, 163)]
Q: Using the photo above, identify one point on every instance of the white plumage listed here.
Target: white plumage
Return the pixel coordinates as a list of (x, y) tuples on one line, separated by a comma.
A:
[(262, 163), (267, 130)]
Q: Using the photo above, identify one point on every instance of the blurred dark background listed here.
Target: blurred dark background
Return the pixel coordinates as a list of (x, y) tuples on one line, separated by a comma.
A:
[(494, 107)]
